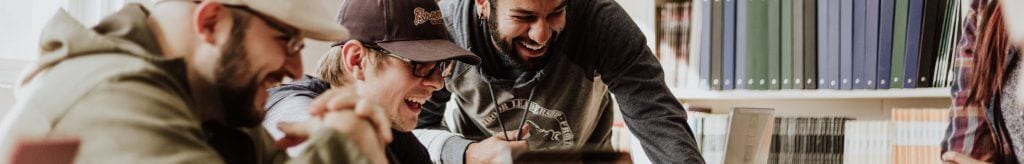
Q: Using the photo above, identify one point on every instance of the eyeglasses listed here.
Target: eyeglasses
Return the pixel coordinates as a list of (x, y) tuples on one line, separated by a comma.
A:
[(293, 37), (419, 69)]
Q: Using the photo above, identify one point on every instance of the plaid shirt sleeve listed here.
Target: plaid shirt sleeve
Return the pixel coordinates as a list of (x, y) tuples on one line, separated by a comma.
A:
[(969, 131)]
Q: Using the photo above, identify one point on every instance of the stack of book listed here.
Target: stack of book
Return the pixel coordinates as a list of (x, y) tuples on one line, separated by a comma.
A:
[(807, 140), (809, 44), (918, 134), (868, 142), (913, 136), (710, 131)]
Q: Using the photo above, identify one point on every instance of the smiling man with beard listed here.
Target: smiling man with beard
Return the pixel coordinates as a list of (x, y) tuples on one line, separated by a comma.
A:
[(183, 82), (551, 66)]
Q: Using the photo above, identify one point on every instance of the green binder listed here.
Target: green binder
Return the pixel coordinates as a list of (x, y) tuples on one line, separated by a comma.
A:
[(787, 44), (774, 46), (899, 40)]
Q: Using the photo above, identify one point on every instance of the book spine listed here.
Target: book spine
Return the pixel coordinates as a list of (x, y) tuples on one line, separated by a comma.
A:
[(810, 44), (915, 13), (798, 45), (835, 41), (705, 43), (741, 44), (899, 39), (823, 43), (846, 52), (729, 45), (774, 45), (885, 42), (786, 43), (859, 44), (716, 44), (871, 45)]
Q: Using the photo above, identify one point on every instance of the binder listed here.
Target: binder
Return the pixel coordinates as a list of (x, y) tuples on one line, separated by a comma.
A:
[(846, 52), (859, 43), (741, 45), (716, 44), (899, 39), (786, 43), (932, 30), (798, 44), (915, 14), (774, 46), (729, 45), (823, 35), (885, 42), (835, 39), (705, 45), (870, 69), (810, 31)]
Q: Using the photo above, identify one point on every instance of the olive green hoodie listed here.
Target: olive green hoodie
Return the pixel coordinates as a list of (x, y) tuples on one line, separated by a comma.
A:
[(109, 87)]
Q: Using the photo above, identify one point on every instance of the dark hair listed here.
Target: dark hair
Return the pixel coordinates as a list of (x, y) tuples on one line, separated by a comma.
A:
[(990, 56)]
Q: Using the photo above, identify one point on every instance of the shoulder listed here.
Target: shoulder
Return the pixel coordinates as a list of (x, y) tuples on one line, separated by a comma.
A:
[(106, 84)]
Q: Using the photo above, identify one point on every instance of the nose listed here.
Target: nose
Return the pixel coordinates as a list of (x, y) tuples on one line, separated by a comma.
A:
[(540, 31), (293, 66), (434, 81)]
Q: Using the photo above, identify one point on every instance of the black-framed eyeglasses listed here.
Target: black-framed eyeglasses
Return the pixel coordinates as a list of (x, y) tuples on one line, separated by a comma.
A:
[(293, 38), (419, 69)]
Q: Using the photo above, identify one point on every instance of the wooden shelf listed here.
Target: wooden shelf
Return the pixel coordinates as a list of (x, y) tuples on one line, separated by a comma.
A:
[(687, 94)]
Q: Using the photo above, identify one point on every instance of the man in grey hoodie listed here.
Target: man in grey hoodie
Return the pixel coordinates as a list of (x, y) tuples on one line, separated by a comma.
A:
[(551, 65), (181, 83)]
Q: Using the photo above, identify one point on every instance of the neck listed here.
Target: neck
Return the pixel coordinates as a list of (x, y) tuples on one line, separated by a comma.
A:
[(171, 23)]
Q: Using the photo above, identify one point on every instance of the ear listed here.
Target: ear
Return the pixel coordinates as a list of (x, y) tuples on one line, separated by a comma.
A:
[(205, 21), (483, 8), (352, 54)]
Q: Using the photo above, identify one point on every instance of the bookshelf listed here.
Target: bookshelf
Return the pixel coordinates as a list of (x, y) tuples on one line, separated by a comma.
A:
[(731, 95), (857, 102)]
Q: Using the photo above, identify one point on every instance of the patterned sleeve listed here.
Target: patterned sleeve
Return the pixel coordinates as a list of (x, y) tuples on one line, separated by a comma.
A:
[(969, 131)]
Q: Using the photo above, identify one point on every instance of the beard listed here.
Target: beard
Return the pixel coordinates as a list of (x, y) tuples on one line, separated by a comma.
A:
[(238, 102), (507, 49)]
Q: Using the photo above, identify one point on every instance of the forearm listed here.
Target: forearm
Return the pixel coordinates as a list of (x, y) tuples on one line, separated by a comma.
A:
[(444, 146)]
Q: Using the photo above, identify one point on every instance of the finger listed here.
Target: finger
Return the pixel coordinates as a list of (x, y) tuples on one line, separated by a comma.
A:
[(524, 132), (334, 99), (959, 158), (377, 116)]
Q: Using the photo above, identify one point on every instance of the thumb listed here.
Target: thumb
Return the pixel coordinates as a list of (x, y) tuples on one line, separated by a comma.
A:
[(294, 133), (523, 132)]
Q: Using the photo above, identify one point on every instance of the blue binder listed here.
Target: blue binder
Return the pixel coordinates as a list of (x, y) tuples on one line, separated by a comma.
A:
[(887, 9), (870, 67), (914, 15)]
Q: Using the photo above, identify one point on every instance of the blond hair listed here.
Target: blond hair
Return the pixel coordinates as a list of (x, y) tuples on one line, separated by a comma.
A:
[(331, 67)]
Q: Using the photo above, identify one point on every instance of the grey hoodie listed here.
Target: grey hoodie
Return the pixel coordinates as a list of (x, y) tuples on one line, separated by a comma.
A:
[(600, 52)]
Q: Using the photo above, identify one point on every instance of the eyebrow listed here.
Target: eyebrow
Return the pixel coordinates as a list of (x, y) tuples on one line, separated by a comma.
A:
[(525, 11)]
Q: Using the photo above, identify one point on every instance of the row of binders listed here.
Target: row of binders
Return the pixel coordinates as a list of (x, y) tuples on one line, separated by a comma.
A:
[(809, 44)]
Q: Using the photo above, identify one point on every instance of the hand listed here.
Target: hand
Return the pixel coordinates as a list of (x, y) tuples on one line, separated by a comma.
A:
[(954, 157), (347, 99), (497, 148), (364, 121)]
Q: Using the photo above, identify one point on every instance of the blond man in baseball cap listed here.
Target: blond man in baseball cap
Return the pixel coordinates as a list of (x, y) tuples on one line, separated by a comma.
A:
[(183, 82)]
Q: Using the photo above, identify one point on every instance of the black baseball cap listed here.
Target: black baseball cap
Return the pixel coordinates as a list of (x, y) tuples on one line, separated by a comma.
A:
[(413, 29)]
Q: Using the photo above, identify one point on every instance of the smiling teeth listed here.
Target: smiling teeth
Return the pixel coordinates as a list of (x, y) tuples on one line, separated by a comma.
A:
[(416, 100), (531, 46)]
